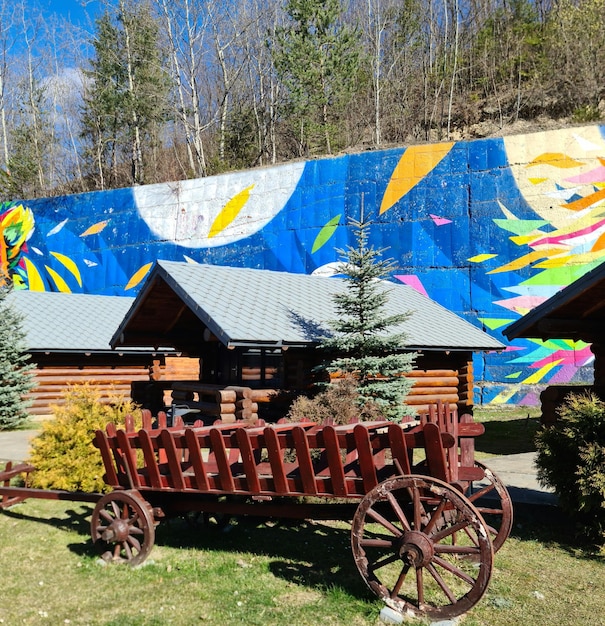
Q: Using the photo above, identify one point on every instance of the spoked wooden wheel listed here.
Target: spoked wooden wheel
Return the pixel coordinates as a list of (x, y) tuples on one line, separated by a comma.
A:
[(122, 527), (492, 500), (422, 547)]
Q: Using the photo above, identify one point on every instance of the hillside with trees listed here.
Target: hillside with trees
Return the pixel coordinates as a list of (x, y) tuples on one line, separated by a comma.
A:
[(159, 90)]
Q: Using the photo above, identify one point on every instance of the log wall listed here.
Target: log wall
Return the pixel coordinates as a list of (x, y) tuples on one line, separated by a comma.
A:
[(430, 386), (113, 382), (215, 402)]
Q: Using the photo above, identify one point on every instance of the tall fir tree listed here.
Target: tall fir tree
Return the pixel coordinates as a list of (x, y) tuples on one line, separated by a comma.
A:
[(16, 377), (367, 341), (317, 57), (126, 105)]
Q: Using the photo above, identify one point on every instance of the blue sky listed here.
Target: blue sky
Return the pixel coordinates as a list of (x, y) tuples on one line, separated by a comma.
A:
[(73, 9)]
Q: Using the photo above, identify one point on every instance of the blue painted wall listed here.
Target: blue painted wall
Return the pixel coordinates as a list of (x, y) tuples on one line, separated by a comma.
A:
[(488, 228)]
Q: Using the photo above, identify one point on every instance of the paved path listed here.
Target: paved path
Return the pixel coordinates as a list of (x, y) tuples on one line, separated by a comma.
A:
[(516, 471), (14, 445)]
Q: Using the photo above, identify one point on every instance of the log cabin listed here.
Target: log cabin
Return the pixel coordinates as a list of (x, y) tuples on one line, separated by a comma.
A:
[(256, 332)]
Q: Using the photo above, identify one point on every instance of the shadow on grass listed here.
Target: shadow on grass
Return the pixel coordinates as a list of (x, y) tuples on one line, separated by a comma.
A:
[(315, 554), (311, 553), (504, 437), (550, 525)]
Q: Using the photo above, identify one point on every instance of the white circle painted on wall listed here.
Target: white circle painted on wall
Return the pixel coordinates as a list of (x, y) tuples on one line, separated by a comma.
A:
[(218, 210)]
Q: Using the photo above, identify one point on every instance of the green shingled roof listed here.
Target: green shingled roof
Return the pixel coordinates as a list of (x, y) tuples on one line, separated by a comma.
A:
[(66, 322), (242, 306)]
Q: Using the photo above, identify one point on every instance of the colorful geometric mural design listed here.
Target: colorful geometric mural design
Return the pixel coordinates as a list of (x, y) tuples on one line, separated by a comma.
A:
[(16, 227), (488, 228)]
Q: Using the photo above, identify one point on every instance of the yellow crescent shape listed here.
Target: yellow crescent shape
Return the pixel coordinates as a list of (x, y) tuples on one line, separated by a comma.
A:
[(69, 265), (34, 280), (138, 276), (59, 282), (229, 212), (95, 229), (415, 163)]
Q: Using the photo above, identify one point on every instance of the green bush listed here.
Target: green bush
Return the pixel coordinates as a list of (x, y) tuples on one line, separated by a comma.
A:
[(63, 452), (571, 460)]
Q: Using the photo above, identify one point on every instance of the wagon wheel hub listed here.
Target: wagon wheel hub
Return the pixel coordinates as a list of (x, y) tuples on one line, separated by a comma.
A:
[(117, 531), (416, 549)]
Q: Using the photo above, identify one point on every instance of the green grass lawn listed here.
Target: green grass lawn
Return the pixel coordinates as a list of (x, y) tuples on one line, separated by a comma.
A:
[(267, 574)]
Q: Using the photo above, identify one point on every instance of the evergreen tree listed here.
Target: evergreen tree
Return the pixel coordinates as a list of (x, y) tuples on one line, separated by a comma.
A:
[(15, 373), (127, 101), (317, 58), (369, 347)]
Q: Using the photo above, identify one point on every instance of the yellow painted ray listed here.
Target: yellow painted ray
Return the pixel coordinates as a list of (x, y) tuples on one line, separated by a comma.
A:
[(34, 279), (69, 265), (537, 376), (95, 229), (525, 260), (504, 396), (61, 285), (557, 261), (536, 181), (229, 212), (138, 276), (479, 258), (556, 159), (415, 163), (523, 240), (575, 259), (514, 375)]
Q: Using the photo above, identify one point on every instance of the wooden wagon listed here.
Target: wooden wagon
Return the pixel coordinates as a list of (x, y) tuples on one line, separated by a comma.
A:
[(422, 535)]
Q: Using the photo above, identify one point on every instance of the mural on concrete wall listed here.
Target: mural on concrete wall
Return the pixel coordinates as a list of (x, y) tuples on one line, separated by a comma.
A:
[(488, 228)]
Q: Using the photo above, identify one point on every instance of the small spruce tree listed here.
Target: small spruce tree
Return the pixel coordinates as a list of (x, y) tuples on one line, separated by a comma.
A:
[(365, 347), (16, 377)]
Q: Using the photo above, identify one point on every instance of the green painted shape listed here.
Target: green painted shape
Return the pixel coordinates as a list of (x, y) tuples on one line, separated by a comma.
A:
[(520, 227), (494, 323), (325, 233)]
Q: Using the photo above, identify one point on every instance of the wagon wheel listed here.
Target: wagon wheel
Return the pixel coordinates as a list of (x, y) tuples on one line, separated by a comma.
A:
[(497, 509), (422, 547), (122, 527)]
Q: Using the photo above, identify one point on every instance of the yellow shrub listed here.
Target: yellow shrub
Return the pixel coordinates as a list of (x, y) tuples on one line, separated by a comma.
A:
[(63, 452)]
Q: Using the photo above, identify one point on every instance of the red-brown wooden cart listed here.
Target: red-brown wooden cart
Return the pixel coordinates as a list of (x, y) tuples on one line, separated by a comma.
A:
[(422, 536)]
